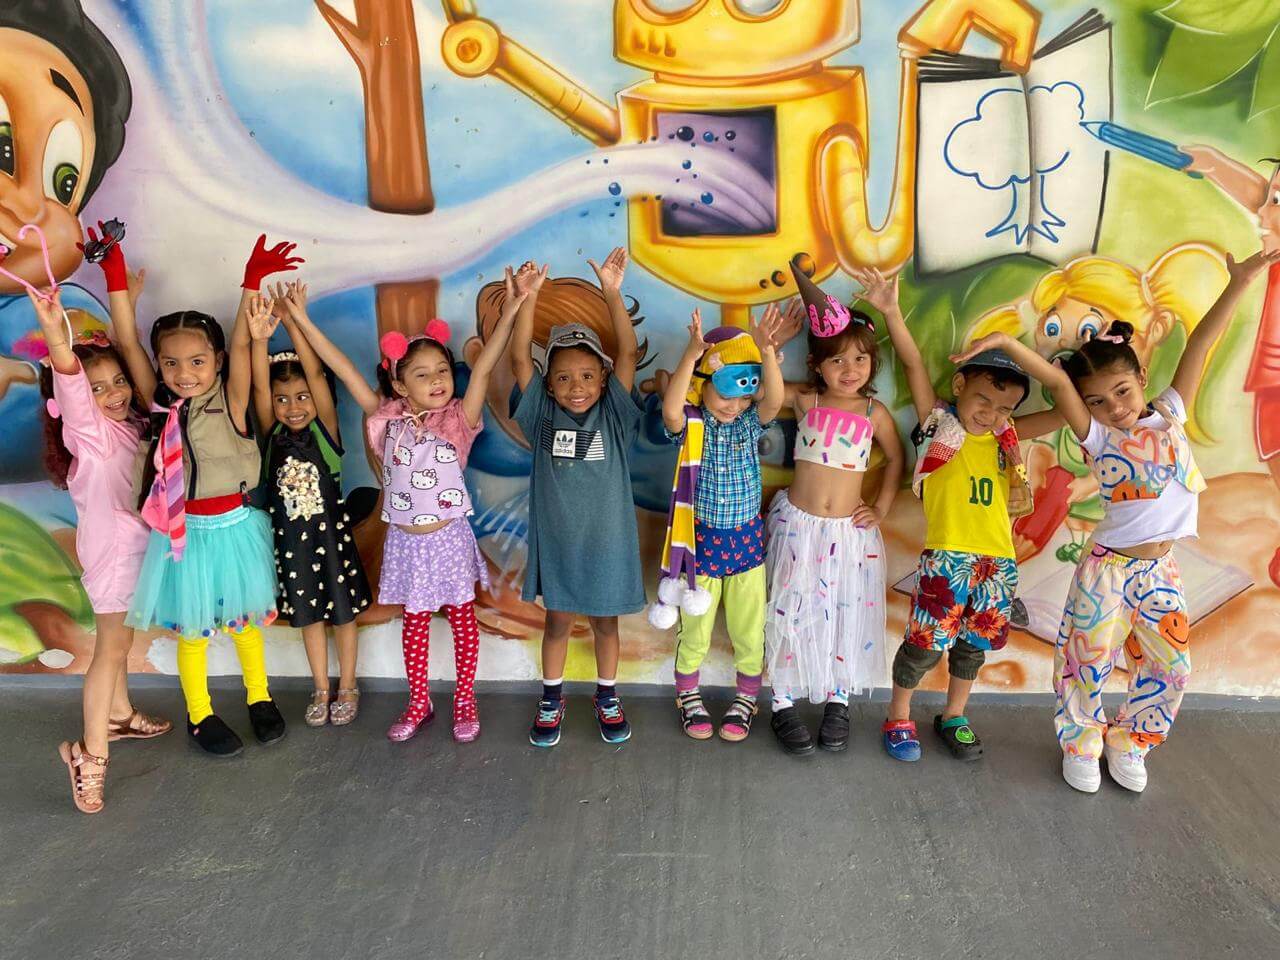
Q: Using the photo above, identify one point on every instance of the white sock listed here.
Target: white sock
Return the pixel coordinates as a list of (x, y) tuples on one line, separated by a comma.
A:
[(839, 696), (781, 701)]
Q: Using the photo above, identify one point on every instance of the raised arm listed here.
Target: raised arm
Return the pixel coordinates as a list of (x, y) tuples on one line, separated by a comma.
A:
[(1066, 400), (1186, 379), (57, 337), (529, 280), (262, 323), (673, 400), (260, 265), (886, 434), (768, 337), (1245, 186), (882, 293), (290, 300), (123, 290), (610, 274), (473, 400), (366, 397)]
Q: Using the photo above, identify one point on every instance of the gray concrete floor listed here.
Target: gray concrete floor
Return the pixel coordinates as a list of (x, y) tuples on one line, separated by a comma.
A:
[(337, 843)]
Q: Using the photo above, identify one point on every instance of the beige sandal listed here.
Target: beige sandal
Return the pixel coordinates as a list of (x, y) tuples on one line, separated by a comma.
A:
[(317, 714), (342, 712), (87, 789), (137, 726)]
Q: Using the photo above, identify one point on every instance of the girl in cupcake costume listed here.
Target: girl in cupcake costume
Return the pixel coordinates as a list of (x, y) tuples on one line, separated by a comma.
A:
[(1127, 597), (825, 633), (422, 433), (209, 567), (714, 547), (321, 579), (93, 429)]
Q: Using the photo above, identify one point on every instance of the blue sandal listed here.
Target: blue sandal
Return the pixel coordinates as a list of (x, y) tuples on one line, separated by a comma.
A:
[(901, 740)]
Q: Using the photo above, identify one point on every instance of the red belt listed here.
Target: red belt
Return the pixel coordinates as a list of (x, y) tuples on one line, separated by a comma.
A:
[(212, 506)]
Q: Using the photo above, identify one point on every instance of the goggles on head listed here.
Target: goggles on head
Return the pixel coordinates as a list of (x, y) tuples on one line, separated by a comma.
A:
[(737, 380)]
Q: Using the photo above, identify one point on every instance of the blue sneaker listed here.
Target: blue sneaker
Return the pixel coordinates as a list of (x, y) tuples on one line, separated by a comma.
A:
[(901, 740), (545, 731), (613, 725)]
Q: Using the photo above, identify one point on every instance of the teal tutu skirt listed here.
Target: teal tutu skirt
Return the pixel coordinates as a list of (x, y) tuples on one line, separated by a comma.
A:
[(225, 580)]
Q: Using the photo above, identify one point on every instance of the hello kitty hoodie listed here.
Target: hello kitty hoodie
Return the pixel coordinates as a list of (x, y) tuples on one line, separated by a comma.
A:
[(423, 456)]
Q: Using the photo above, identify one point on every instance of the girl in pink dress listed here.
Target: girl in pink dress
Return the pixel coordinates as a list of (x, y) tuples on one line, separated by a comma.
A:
[(92, 429)]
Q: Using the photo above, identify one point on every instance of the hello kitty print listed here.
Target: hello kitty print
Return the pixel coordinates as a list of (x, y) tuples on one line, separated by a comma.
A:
[(422, 477)]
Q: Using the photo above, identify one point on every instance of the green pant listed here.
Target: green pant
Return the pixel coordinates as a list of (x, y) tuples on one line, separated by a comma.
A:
[(744, 600)]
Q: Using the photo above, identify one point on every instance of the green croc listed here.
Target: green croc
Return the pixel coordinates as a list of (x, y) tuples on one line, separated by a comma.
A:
[(959, 737)]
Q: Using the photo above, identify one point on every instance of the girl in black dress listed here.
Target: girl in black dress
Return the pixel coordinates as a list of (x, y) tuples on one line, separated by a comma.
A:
[(321, 580)]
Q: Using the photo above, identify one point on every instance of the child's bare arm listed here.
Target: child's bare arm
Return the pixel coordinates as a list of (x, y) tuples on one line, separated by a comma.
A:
[(291, 299), (123, 290), (610, 274), (673, 400), (366, 397), (767, 334), (882, 293), (57, 337), (886, 433), (1186, 379), (495, 345), (261, 323), (1067, 402), (529, 280)]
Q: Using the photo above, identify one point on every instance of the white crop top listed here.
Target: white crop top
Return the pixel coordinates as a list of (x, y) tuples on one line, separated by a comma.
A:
[(835, 438)]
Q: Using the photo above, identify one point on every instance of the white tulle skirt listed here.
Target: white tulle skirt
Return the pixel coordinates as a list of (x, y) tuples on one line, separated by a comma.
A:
[(825, 629)]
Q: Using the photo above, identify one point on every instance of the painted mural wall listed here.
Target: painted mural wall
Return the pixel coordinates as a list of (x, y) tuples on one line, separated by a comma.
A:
[(414, 148)]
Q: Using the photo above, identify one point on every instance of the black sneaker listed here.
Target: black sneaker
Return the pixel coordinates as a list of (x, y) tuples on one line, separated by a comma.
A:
[(1018, 616), (833, 735), (214, 737), (268, 725), (613, 724), (792, 734), (959, 737), (545, 731)]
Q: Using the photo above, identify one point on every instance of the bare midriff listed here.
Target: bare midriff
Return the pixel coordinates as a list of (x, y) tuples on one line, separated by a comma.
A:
[(822, 491), (1145, 551), (425, 528)]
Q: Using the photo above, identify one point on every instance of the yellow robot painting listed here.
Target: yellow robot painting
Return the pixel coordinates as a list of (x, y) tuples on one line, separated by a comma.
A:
[(750, 77)]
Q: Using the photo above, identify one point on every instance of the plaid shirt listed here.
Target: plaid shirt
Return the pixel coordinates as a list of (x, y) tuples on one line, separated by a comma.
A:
[(728, 491)]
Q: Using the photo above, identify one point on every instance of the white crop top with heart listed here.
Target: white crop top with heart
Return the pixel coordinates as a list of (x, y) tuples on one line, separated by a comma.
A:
[(835, 438)]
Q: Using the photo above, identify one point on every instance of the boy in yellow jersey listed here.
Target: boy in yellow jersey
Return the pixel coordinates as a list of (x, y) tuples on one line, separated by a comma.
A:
[(971, 478)]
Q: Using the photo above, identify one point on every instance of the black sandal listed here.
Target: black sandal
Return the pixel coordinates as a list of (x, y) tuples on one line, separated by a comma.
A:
[(792, 734), (959, 737), (693, 715), (833, 735), (735, 725)]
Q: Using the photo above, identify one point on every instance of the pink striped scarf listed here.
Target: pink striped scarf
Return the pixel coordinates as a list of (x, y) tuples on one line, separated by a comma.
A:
[(165, 509)]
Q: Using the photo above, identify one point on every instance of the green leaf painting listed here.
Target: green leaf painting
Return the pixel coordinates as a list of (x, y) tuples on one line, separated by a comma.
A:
[(36, 571), (1213, 41)]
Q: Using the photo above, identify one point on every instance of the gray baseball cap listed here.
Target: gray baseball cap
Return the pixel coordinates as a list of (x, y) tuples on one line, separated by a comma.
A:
[(577, 335), (994, 360)]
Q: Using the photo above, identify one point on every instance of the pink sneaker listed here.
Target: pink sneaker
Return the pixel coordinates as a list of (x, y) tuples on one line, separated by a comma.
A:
[(405, 726), (466, 721)]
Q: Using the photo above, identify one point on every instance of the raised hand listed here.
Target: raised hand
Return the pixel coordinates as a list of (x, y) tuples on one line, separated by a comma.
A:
[(112, 264), (529, 278), (697, 346), (1245, 270), (611, 272), (992, 341), (794, 318), (263, 262), (50, 315), (877, 289), (136, 283), (767, 331), (260, 315), (515, 296)]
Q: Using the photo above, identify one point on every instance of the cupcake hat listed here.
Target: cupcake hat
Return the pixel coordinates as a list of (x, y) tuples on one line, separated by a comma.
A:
[(828, 317)]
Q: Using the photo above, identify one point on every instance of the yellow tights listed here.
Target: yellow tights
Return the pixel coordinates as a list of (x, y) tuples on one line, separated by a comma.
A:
[(193, 670)]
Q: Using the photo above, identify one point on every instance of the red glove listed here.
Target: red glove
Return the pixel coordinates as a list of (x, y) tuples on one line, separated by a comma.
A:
[(263, 262), (113, 265)]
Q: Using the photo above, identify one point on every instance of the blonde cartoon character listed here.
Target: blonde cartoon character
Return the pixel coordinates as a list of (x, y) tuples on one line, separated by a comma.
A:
[(749, 79), (1070, 305)]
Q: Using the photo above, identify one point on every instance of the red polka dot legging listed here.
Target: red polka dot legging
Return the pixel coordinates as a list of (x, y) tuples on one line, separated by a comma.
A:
[(416, 637)]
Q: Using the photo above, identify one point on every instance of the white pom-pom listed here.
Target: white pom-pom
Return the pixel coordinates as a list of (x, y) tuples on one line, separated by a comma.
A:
[(696, 602), (662, 616), (672, 590)]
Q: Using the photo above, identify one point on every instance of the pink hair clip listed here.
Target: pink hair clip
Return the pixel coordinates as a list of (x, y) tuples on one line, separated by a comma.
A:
[(96, 338), (394, 346), (1109, 337), (437, 330), (835, 318)]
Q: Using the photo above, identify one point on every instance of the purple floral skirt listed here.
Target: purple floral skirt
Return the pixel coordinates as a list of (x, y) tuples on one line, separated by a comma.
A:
[(427, 571)]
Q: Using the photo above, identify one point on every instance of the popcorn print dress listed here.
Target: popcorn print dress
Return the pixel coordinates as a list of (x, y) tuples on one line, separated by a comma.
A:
[(318, 568)]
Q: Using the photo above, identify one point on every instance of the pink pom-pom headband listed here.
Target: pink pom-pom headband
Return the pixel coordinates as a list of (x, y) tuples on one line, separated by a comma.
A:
[(395, 345)]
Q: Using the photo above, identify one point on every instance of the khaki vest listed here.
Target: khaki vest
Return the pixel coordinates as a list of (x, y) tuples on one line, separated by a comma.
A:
[(216, 459)]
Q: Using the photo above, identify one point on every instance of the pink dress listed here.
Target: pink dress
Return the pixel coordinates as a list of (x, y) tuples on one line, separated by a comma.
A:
[(110, 536)]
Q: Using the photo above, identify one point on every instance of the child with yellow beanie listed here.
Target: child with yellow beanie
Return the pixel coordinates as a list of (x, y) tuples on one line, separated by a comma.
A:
[(714, 547)]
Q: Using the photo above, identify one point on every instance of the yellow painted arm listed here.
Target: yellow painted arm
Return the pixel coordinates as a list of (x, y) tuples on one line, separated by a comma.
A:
[(473, 47)]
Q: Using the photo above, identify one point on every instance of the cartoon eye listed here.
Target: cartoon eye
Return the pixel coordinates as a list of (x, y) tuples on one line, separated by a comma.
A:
[(758, 8), (669, 7), (754, 382), (1052, 326), (63, 156), (743, 382), (6, 140), (1088, 330), (1275, 197)]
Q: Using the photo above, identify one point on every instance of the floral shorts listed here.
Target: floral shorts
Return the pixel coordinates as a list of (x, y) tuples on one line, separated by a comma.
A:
[(962, 596)]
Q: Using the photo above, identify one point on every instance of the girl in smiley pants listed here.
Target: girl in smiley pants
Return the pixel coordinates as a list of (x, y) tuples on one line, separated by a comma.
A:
[(1119, 602)]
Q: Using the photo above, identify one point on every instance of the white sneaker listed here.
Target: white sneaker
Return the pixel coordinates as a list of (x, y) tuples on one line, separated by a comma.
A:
[(1127, 769), (1081, 773)]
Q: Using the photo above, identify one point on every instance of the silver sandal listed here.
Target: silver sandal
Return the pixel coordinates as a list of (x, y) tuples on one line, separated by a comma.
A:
[(342, 712), (317, 714)]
